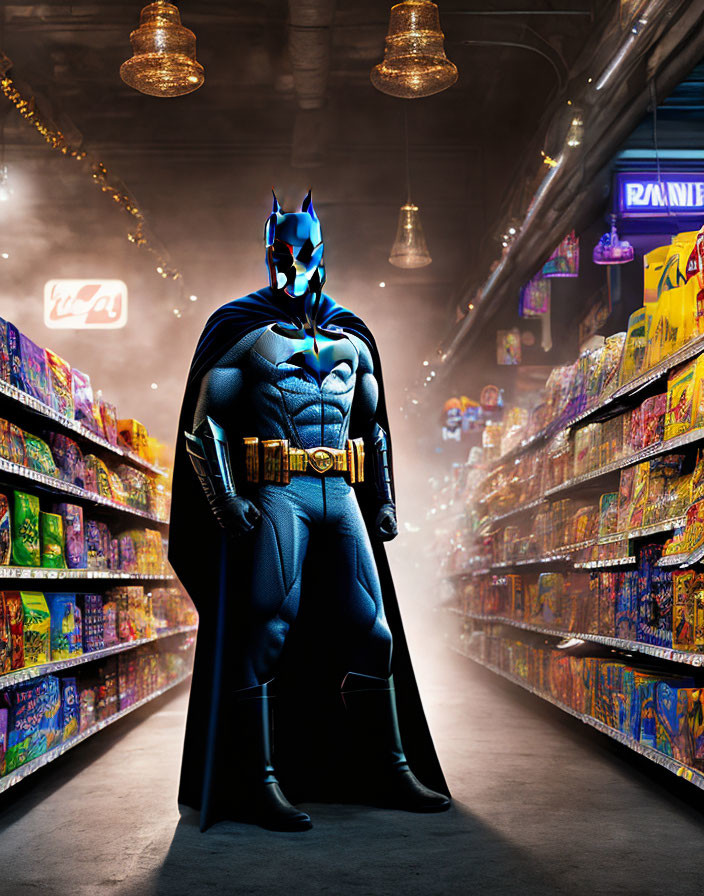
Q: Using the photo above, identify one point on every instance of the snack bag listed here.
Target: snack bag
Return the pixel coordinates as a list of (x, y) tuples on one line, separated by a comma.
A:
[(117, 489), (25, 530), (15, 445), (632, 361), (38, 456), (5, 533), (70, 709), (61, 379), (72, 516), (52, 541), (96, 469), (653, 411), (35, 373), (65, 637), (15, 617), (86, 709), (50, 724), (68, 458), (608, 514), (26, 740), (14, 351), (85, 411), (4, 354), (683, 609), (37, 628), (110, 635), (108, 416)]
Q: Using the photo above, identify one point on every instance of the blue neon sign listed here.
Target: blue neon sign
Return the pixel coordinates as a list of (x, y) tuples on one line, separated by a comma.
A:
[(642, 194)]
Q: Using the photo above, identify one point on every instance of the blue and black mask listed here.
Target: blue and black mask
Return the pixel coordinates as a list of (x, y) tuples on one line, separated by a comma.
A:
[(294, 250)]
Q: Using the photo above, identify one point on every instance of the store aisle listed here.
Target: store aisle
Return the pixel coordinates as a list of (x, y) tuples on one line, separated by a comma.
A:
[(542, 806)]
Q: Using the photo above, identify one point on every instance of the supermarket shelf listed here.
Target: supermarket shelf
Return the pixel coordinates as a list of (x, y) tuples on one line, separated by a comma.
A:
[(691, 350), (663, 653), (606, 563), (20, 675), (73, 426), (521, 508), (675, 560), (66, 488), (677, 768), (687, 438), (29, 767), (89, 575), (534, 561)]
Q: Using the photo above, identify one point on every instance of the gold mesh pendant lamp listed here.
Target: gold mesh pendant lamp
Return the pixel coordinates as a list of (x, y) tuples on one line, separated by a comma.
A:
[(409, 249), (164, 54), (414, 62)]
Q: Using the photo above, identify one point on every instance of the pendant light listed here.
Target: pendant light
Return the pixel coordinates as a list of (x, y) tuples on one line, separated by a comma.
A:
[(414, 63), (164, 54), (409, 249)]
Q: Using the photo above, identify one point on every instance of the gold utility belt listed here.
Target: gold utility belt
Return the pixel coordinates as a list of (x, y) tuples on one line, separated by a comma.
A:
[(273, 460)]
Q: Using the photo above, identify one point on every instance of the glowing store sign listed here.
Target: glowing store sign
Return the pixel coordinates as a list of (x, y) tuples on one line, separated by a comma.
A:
[(85, 304), (675, 192)]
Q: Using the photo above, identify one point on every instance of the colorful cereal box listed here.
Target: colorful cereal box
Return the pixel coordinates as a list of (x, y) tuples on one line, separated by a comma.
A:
[(14, 351), (70, 709), (95, 546), (91, 606), (35, 374), (65, 636), (5, 643), (608, 514), (672, 736), (683, 609), (3, 738), (25, 530), (133, 435), (68, 458), (4, 355), (26, 740), (84, 406), (108, 415), (680, 398), (51, 724)]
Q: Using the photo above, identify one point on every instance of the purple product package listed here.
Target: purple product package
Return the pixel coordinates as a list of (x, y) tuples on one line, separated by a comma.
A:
[(95, 545), (4, 354), (128, 554), (84, 404), (14, 352), (70, 709), (3, 739), (91, 607), (68, 458), (114, 553), (72, 515), (37, 383), (106, 539)]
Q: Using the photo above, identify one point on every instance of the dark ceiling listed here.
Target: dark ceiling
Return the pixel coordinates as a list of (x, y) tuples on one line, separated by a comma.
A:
[(201, 166)]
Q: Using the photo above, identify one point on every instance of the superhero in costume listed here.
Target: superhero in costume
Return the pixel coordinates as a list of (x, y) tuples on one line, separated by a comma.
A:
[(283, 497)]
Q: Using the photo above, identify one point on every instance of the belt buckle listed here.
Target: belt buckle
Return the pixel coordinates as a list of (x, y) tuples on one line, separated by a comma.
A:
[(320, 459)]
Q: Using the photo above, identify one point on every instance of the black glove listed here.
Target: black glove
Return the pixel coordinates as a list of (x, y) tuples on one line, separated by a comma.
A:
[(235, 514), (385, 526)]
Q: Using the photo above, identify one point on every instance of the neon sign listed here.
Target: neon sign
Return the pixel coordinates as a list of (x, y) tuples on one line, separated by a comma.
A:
[(675, 192), (85, 304)]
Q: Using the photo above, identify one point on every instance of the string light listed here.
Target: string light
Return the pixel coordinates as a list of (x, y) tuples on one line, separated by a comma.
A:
[(5, 255), (547, 160), (155, 385), (108, 184), (382, 284), (193, 298)]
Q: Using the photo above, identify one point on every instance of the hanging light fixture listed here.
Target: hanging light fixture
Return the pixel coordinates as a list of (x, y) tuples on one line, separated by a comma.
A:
[(409, 249), (414, 63), (611, 249), (164, 54)]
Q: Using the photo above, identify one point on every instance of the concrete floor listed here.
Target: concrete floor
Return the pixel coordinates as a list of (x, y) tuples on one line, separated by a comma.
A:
[(543, 806)]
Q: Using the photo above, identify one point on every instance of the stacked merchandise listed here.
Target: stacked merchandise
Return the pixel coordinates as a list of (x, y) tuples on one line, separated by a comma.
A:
[(70, 662), (642, 706), (38, 628), (48, 712)]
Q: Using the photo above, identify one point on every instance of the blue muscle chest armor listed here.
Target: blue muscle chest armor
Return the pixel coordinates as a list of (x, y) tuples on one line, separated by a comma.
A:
[(300, 393)]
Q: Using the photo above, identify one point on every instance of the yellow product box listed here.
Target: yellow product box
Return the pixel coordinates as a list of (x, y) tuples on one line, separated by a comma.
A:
[(639, 496), (133, 435), (680, 400), (634, 348)]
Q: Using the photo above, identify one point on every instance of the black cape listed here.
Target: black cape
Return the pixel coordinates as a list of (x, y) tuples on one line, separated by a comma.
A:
[(315, 753)]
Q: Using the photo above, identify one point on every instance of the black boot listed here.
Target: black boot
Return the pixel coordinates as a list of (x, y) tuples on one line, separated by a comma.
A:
[(267, 805), (372, 702)]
